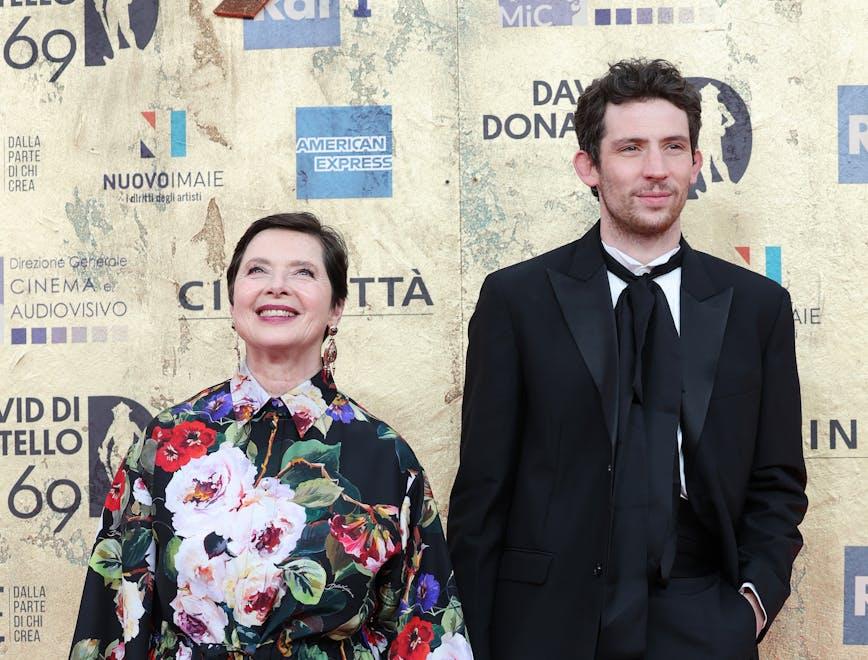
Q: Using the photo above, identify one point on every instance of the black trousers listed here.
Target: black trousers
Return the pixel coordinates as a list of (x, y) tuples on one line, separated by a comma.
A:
[(698, 615), (701, 618)]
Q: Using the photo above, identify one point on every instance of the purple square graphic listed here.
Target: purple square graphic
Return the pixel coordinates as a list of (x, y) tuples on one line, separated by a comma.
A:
[(99, 333), (685, 14), (19, 335), (602, 16), (644, 15), (38, 335), (624, 16), (665, 15), (120, 333), (79, 335), (58, 335)]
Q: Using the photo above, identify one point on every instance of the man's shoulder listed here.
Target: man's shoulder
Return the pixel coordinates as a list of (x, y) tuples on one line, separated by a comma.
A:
[(754, 295), (745, 281), (558, 259)]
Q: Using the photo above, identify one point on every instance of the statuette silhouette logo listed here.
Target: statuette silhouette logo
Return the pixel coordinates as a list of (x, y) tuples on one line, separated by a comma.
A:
[(115, 29)]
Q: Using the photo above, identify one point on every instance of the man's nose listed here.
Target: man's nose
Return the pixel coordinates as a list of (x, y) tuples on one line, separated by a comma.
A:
[(654, 165)]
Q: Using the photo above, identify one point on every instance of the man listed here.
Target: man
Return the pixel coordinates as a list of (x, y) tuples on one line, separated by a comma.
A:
[(631, 474)]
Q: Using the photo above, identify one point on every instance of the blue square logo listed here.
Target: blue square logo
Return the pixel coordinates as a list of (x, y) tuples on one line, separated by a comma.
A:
[(343, 152), (294, 24), (856, 595), (853, 134), (543, 13)]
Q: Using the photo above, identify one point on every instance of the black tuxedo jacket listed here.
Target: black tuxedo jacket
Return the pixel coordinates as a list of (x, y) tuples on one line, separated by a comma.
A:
[(529, 514)]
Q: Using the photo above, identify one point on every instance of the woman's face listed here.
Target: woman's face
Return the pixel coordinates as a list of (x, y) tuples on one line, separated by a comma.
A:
[(282, 295)]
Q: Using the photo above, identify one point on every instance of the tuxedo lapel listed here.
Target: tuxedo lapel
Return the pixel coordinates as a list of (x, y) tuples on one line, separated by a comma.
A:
[(586, 303), (704, 314)]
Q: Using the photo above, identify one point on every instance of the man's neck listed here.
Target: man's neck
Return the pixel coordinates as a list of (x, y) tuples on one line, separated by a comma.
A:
[(643, 248)]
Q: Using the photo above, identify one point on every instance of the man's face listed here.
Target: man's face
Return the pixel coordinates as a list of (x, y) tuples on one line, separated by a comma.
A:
[(645, 169)]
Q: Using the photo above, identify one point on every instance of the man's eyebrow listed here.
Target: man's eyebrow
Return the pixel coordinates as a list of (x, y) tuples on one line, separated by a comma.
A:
[(641, 140), (629, 140)]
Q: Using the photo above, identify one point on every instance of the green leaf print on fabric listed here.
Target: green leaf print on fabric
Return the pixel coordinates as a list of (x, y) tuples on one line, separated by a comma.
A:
[(453, 619), (306, 580), (169, 558), (317, 493), (314, 452), (86, 649), (149, 456), (135, 544), (106, 560), (237, 434)]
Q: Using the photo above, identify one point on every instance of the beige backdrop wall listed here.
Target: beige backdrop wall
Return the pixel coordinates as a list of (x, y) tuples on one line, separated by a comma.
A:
[(140, 138)]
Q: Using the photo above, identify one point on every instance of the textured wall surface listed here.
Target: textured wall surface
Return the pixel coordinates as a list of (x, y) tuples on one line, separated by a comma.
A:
[(140, 138)]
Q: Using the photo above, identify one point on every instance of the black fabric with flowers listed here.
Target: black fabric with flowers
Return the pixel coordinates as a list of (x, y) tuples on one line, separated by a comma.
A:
[(245, 526)]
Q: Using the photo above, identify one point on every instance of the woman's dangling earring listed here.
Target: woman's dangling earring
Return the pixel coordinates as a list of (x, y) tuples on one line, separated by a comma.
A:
[(330, 354)]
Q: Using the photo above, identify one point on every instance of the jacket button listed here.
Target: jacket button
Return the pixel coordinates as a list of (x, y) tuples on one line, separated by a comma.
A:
[(598, 570), (609, 468)]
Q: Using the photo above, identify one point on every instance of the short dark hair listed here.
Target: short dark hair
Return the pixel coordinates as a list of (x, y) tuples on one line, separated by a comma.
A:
[(634, 80), (334, 249)]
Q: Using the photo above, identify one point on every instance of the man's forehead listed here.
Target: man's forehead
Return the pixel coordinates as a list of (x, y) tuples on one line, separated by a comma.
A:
[(648, 117)]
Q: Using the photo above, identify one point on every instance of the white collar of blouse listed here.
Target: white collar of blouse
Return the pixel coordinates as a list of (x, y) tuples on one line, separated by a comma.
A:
[(305, 402)]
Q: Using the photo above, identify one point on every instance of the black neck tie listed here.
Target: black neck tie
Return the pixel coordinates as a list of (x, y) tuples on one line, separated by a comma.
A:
[(647, 479)]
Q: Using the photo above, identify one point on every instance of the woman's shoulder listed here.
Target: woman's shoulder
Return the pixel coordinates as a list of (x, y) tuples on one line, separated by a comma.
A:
[(186, 430), (385, 433), (211, 405)]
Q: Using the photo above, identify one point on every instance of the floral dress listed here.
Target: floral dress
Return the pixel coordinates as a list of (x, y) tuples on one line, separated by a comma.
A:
[(242, 526)]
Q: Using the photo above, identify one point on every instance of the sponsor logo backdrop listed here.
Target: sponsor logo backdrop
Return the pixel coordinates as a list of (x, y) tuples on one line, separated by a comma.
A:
[(141, 137)]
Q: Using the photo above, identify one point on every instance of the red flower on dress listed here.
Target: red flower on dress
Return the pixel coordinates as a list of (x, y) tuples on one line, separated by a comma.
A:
[(169, 456), (372, 537), (116, 490), (413, 642), (160, 434), (193, 439), (374, 638), (262, 602), (117, 653), (178, 445)]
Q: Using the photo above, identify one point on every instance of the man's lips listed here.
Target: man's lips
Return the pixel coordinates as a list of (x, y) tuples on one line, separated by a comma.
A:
[(655, 194), (654, 197), (276, 312)]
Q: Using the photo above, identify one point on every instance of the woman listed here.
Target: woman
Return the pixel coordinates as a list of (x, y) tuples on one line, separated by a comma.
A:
[(271, 516)]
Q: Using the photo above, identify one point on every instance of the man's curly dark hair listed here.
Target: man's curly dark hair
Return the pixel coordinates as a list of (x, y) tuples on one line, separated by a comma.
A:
[(634, 80)]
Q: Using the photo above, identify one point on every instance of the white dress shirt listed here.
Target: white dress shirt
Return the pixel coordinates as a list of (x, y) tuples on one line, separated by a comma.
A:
[(671, 285)]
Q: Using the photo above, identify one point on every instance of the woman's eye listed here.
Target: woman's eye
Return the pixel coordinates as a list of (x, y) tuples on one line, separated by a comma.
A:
[(307, 272), (255, 269)]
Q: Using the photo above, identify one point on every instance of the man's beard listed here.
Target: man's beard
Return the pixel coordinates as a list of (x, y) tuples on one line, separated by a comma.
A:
[(629, 220)]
